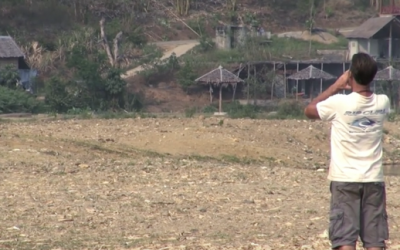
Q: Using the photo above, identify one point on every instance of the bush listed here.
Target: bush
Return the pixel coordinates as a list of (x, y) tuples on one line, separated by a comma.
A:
[(186, 74), (95, 87), (290, 109), (190, 112), (210, 109), (236, 110), (19, 101), (61, 95), (9, 77)]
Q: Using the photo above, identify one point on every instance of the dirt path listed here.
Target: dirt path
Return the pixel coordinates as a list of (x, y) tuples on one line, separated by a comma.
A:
[(178, 47), (170, 184), (183, 46)]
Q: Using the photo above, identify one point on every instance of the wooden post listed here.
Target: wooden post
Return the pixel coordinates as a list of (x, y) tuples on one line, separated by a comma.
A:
[(311, 89), (211, 94), (248, 86), (220, 98), (297, 83), (255, 86), (344, 70), (273, 83), (284, 78), (398, 97), (320, 83), (234, 86), (390, 42)]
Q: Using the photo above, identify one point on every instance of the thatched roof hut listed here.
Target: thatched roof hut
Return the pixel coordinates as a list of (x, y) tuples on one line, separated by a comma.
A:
[(219, 77), (388, 74), (311, 72)]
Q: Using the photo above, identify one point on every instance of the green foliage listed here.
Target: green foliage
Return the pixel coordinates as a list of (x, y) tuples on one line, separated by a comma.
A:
[(96, 86), (190, 112), (160, 68), (256, 50), (206, 44), (251, 19), (16, 101), (61, 96), (236, 110), (81, 113), (210, 109), (289, 109), (151, 55), (9, 77), (198, 25), (186, 74), (132, 33), (329, 12)]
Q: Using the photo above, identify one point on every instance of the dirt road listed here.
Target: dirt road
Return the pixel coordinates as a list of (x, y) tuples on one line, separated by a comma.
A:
[(167, 183), (182, 47), (178, 47)]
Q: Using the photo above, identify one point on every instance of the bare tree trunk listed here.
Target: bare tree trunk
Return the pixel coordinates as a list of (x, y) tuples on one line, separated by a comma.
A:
[(105, 42), (311, 25), (182, 7), (113, 59), (117, 39)]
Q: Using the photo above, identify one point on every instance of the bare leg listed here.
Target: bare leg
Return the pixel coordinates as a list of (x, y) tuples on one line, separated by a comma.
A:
[(375, 248)]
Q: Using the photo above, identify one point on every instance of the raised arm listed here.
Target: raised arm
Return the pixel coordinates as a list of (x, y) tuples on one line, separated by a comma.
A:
[(323, 106)]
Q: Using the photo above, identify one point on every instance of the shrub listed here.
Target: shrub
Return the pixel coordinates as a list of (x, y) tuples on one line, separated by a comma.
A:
[(17, 101), (290, 109), (190, 112), (9, 77), (236, 110)]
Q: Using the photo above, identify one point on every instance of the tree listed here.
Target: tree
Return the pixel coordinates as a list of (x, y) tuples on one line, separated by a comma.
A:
[(186, 74), (112, 56), (232, 5), (182, 7), (310, 22)]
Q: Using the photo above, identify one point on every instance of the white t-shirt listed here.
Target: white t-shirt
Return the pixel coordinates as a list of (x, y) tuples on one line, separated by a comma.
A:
[(356, 136)]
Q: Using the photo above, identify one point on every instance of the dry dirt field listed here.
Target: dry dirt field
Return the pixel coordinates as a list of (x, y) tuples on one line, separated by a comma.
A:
[(164, 183)]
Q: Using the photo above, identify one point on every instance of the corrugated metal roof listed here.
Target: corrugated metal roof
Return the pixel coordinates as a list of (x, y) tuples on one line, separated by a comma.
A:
[(370, 27), (8, 48)]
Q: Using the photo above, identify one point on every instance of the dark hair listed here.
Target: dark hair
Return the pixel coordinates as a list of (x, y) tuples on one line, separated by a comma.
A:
[(363, 68)]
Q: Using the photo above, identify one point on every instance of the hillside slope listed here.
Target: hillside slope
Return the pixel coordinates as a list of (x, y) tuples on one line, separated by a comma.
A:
[(48, 29)]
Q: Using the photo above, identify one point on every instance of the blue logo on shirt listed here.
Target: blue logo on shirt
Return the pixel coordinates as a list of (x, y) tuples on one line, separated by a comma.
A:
[(363, 123)]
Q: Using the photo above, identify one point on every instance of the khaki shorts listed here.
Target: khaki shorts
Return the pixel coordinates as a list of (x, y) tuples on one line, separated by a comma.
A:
[(358, 209)]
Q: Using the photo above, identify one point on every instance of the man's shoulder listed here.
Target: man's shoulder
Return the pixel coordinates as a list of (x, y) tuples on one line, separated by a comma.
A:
[(339, 97), (382, 97)]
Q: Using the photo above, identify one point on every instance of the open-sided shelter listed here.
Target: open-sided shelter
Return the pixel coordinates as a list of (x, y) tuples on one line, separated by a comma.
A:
[(220, 78)]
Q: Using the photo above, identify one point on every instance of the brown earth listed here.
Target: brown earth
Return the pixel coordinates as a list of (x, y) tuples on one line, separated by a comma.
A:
[(170, 184)]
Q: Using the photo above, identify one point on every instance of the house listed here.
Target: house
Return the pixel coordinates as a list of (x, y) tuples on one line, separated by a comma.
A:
[(11, 54), (378, 36), (230, 36)]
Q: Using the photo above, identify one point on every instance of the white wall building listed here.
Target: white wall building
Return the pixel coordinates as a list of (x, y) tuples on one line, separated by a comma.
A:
[(378, 36)]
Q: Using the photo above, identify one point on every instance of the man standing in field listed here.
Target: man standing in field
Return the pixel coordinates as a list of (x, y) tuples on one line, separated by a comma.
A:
[(358, 200)]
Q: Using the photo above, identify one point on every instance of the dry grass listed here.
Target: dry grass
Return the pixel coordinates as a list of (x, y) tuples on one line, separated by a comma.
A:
[(169, 184)]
